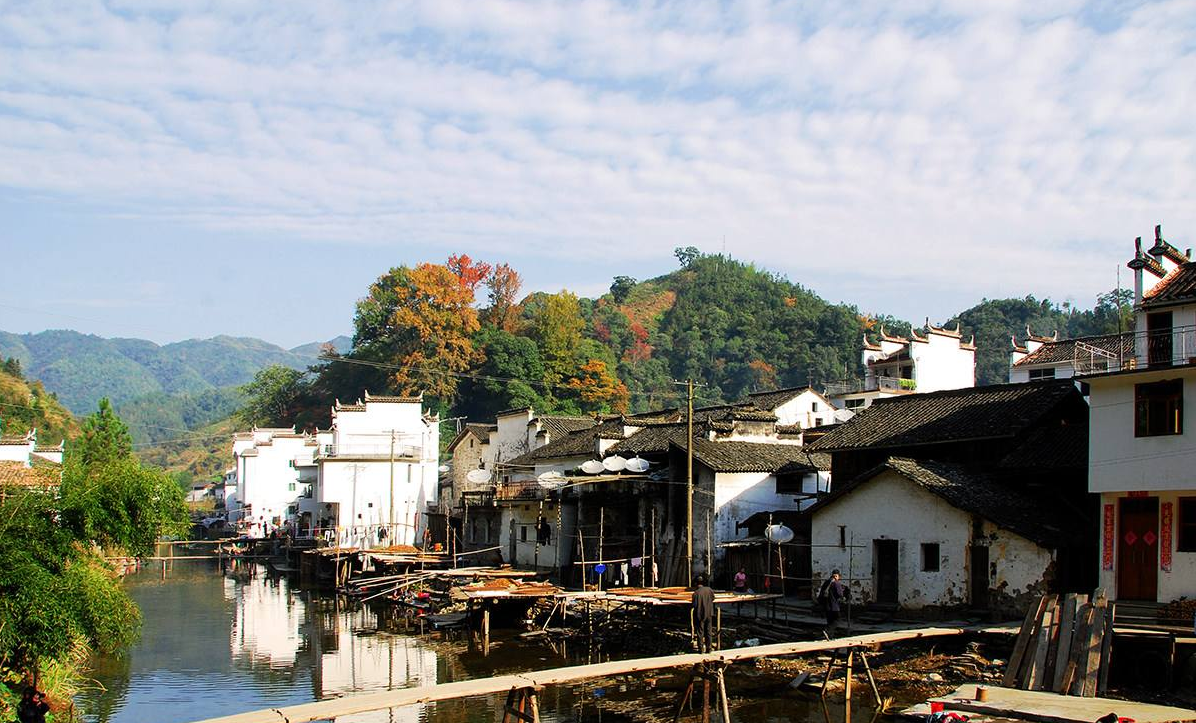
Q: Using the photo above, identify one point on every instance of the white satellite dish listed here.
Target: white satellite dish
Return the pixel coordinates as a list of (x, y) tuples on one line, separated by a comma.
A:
[(778, 534), (614, 464), (443, 468), (478, 476), (592, 466), (637, 464), (552, 480)]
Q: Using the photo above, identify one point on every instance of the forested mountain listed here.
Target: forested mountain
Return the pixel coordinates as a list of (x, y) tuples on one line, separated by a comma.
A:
[(730, 326), (81, 368), (25, 405)]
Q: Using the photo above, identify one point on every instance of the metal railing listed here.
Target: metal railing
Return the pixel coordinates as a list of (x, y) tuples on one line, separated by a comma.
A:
[(1154, 349), (870, 384), (381, 450)]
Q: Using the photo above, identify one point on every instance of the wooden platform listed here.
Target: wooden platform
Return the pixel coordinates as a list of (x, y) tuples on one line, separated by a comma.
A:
[(365, 702), (1045, 707)]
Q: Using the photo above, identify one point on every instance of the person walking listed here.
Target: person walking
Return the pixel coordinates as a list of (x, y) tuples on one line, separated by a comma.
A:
[(832, 595), (703, 612)]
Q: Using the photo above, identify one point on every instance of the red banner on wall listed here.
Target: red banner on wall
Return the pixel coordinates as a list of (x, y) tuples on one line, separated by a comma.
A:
[(1165, 515), (1107, 544)]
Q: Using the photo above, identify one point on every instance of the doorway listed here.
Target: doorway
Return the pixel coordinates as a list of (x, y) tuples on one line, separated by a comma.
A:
[(884, 570), (978, 576), (1158, 339), (1138, 549)]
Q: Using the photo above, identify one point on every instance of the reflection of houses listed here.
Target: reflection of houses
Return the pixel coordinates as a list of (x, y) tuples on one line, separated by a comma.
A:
[(935, 490), (265, 629), (1141, 456), (895, 365), (376, 471)]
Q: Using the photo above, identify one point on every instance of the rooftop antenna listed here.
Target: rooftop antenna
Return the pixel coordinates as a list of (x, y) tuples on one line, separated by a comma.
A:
[(1117, 301)]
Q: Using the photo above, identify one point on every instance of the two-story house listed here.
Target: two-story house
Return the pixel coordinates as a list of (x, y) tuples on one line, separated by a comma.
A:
[(1142, 455)]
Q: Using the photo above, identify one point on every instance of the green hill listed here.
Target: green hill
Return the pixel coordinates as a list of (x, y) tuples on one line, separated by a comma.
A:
[(81, 368), (26, 405)]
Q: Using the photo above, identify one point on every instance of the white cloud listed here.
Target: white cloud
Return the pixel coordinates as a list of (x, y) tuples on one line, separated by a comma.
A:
[(933, 149)]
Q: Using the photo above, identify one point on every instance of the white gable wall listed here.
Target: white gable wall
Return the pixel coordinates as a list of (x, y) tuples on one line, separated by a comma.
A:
[(940, 363), (891, 507), (808, 409)]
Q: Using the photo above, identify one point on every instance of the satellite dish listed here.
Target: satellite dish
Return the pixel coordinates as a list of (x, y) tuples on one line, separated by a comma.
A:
[(778, 534), (637, 464), (593, 466), (443, 468), (614, 464), (478, 476), (552, 480)]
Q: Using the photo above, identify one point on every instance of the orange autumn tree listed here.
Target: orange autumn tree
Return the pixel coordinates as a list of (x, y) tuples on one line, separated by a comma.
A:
[(503, 288), (598, 389), (421, 320)]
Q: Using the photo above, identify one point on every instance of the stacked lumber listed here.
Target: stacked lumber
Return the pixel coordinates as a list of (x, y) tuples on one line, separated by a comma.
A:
[(1063, 646)]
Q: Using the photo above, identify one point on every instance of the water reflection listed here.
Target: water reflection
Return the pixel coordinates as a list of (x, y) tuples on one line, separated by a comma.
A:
[(216, 644)]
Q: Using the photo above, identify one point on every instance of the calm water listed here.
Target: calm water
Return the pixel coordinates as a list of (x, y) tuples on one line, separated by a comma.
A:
[(216, 644)]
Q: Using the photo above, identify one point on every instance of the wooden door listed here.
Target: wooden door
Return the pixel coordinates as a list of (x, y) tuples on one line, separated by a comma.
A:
[(884, 570), (1138, 549), (979, 576)]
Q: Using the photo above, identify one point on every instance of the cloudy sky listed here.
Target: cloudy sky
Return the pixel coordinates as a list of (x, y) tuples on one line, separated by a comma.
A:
[(179, 169)]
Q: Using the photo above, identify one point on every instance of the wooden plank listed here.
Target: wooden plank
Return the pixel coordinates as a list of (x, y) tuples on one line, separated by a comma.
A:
[(365, 702), (1106, 650), (1079, 651), (1096, 641), (1078, 634), (1044, 707), (1024, 638), (1037, 670), (1067, 621), (1023, 675)]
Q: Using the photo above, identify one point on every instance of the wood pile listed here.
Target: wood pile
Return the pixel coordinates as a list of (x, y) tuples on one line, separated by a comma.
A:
[(1063, 646), (1182, 609), (514, 587)]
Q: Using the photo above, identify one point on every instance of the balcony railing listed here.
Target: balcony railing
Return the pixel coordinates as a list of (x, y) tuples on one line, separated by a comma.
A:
[(870, 384), (372, 451), (1154, 349)]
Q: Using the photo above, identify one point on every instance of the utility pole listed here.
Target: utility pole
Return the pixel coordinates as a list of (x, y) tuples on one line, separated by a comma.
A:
[(391, 532), (689, 482)]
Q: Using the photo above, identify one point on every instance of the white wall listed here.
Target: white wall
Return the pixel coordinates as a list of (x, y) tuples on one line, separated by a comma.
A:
[(1117, 460), (362, 491), (526, 515), (801, 410), (893, 508), (737, 496), (940, 363), (268, 482), (1180, 581), (511, 439)]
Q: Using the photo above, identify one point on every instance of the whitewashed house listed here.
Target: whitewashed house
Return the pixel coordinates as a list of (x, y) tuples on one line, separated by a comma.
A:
[(377, 472), (25, 449), (268, 484), (918, 534), (895, 365), (1048, 357), (1142, 451), (24, 463)]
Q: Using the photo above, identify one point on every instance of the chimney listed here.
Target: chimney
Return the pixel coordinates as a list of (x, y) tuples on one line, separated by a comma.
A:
[(1137, 264)]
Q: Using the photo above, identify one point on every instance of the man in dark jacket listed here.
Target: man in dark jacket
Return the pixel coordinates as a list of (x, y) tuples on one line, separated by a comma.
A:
[(834, 593), (703, 612)]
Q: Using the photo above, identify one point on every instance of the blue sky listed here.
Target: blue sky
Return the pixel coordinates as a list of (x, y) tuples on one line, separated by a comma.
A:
[(188, 168)]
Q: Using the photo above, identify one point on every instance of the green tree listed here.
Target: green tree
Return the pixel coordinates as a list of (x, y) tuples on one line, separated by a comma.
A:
[(510, 377), (621, 288), (558, 330), (105, 436), (687, 255), (273, 398)]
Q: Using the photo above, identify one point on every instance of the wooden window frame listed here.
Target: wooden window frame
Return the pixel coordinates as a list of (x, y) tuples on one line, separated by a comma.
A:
[(1159, 408)]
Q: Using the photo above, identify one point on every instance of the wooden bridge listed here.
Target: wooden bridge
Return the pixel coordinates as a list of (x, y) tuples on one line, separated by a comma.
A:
[(522, 688)]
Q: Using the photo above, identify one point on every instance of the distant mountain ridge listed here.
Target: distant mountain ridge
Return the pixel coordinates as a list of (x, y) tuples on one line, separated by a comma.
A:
[(81, 368)]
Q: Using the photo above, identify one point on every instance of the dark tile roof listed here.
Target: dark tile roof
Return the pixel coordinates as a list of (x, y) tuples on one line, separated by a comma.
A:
[(970, 492), (1051, 447), (655, 439), (1064, 350), (577, 444), (1001, 410), (481, 431), (774, 398), (751, 415), (560, 426), (43, 473), (755, 457), (1177, 287)]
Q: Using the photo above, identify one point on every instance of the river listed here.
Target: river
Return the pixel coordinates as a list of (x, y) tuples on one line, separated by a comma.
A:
[(214, 644)]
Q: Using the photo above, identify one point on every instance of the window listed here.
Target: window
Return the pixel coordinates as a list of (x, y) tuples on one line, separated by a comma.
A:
[(1185, 538), (1036, 374), (813, 406), (843, 536), (789, 484), (853, 403), (471, 444), (290, 487), (523, 533), (1159, 408), (930, 557)]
